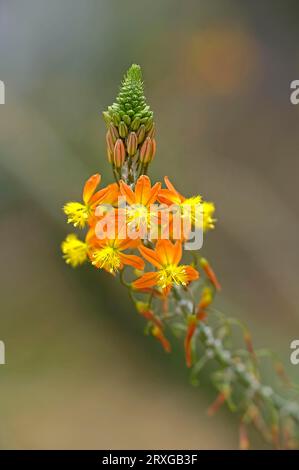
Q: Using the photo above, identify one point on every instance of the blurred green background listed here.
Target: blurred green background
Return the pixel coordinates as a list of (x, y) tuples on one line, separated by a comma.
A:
[(79, 372)]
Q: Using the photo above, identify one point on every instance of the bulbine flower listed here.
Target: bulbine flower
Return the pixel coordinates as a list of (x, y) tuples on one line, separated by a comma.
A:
[(200, 212), (126, 228), (166, 258), (108, 254), (77, 213), (138, 213)]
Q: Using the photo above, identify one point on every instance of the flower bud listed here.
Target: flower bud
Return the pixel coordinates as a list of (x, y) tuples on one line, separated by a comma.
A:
[(119, 153), (106, 117), (110, 146), (132, 144), (122, 129), (152, 131), (154, 144), (116, 119), (135, 124), (127, 119), (114, 133), (210, 273), (146, 151), (149, 124), (141, 134)]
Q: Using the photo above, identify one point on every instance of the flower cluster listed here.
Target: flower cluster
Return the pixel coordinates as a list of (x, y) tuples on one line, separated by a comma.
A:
[(132, 223)]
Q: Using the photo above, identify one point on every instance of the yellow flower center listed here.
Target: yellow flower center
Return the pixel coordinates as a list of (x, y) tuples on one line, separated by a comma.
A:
[(137, 216), (77, 213), (172, 274), (107, 258), (74, 250)]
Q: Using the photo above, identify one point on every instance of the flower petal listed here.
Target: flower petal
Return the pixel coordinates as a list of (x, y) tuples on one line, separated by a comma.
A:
[(150, 256), (142, 190), (132, 260), (147, 280), (127, 192), (90, 187), (192, 274), (168, 197), (153, 194)]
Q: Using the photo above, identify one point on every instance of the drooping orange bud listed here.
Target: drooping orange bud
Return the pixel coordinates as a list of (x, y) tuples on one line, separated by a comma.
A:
[(132, 143), (206, 299), (158, 333), (221, 398), (243, 437), (191, 327), (119, 153), (210, 273), (149, 315), (146, 151)]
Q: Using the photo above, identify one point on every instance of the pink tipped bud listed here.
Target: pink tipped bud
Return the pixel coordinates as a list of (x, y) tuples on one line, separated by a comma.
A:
[(110, 147), (154, 148), (119, 153), (114, 133), (132, 144), (146, 151)]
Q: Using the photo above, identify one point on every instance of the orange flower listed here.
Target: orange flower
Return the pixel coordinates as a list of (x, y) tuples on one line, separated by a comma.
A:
[(200, 212), (108, 254), (139, 201), (79, 214), (166, 258)]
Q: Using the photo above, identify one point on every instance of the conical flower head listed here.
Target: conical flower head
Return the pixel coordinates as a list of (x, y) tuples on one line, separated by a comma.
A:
[(130, 110)]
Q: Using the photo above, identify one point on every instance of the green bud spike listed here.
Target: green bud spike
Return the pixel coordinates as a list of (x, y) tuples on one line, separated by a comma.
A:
[(130, 106)]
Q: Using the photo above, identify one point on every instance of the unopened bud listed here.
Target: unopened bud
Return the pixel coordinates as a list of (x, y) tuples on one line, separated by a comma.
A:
[(210, 273), (106, 117), (110, 146), (152, 131), (146, 151), (158, 333), (154, 144), (141, 134), (132, 143), (119, 153), (123, 130), (114, 133), (135, 124), (116, 119), (149, 124), (127, 119)]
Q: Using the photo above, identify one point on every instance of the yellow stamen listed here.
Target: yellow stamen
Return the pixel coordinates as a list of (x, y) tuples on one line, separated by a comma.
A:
[(107, 258), (208, 212), (172, 274), (77, 213), (74, 250), (137, 216)]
